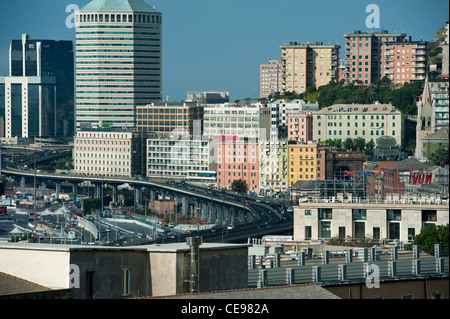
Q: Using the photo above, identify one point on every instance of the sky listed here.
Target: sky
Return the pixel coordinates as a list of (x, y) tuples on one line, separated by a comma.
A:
[(219, 44)]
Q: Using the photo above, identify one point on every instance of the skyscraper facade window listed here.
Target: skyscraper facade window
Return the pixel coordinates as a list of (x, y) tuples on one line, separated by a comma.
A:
[(118, 61)]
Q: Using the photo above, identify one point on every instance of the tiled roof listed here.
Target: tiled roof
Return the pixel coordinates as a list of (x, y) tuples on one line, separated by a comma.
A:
[(407, 164), (10, 285)]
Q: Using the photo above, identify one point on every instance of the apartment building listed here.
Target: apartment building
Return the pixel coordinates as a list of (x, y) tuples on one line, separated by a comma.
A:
[(380, 221), (281, 109), (166, 117), (303, 164), (251, 121), (406, 61), (439, 94), (305, 65), (179, 157), (369, 121), (273, 168), (109, 152), (365, 53), (237, 159), (299, 126), (269, 78)]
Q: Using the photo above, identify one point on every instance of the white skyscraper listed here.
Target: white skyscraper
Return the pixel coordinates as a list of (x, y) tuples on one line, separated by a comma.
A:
[(118, 61)]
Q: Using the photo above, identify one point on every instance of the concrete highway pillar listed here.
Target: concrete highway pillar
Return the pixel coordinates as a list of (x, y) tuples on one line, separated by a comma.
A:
[(43, 186), (115, 194), (75, 188), (58, 188), (184, 205), (22, 184)]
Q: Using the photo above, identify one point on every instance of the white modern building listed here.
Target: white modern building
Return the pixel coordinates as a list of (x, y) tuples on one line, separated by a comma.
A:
[(179, 157), (252, 121), (107, 152), (381, 221), (118, 61)]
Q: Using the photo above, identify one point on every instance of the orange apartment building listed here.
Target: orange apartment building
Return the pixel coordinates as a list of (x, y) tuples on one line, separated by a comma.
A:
[(365, 54), (406, 61)]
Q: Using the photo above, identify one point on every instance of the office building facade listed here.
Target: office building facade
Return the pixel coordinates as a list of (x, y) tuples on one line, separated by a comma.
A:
[(29, 106), (168, 117), (180, 158), (252, 121), (110, 151), (379, 221), (118, 61), (44, 69)]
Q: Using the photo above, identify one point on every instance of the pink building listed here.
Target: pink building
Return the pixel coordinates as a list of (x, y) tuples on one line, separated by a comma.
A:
[(300, 127), (237, 158)]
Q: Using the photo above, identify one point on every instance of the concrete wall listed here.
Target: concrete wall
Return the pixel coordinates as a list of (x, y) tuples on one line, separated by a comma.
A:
[(155, 270), (37, 264)]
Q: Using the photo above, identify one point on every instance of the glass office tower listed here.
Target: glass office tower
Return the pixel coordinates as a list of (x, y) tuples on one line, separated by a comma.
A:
[(118, 61), (28, 106), (48, 58)]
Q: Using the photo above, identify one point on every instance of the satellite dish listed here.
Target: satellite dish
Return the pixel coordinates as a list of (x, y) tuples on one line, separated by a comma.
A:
[(386, 142)]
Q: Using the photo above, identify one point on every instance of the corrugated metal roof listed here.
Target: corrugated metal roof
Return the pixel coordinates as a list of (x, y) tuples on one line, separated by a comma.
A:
[(118, 5)]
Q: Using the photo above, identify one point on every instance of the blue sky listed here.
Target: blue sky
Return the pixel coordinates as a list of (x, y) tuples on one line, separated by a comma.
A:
[(219, 44)]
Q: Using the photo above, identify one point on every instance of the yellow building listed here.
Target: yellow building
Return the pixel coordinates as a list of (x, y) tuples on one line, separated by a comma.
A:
[(305, 65), (302, 163)]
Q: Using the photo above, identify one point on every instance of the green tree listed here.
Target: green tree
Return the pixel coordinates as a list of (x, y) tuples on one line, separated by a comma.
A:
[(431, 235), (239, 186), (360, 144), (348, 144), (440, 156)]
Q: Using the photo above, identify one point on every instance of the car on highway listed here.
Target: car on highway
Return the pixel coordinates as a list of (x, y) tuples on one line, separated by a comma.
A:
[(290, 210), (230, 227)]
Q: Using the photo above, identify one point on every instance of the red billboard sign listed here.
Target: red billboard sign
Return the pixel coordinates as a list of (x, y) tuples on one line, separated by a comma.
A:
[(420, 178)]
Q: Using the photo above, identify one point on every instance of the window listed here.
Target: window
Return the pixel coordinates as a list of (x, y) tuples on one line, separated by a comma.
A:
[(307, 212), (307, 232), (325, 229), (394, 214), (359, 214), (325, 213), (376, 233), (394, 230), (411, 234), (126, 281), (342, 232), (360, 230)]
